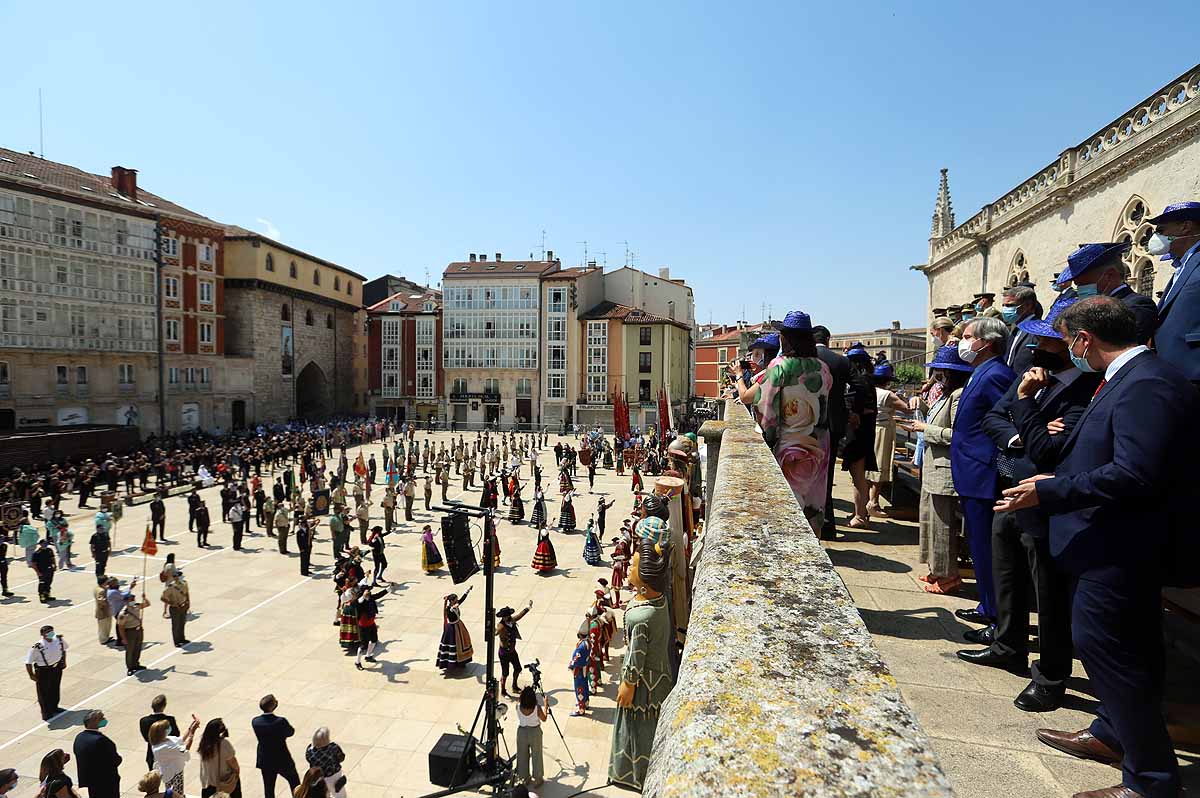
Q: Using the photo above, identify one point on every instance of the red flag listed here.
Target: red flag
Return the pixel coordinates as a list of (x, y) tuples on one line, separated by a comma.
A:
[(149, 547), (360, 467)]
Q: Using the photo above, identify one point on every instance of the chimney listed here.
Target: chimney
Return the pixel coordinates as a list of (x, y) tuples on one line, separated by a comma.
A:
[(550, 255), (482, 257), (895, 325), (472, 257), (664, 273), (124, 181), (497, 257)]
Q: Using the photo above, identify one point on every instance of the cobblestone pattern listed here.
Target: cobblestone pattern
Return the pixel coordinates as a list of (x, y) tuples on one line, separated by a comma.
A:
[(781, 691)]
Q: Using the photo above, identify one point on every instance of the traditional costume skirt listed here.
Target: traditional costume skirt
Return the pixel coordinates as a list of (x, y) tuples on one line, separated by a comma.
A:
[(564, 482), (516, 513), (591, 550), (544, 558), (566, 517), (455, 648), (431, 558), (539, 513), (348, 630)]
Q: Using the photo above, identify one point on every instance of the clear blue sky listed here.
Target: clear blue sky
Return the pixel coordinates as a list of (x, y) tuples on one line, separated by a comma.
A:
[(777, 154)]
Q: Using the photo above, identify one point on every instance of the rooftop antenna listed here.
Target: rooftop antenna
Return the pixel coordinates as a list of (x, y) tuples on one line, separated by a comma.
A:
[(426, 276), (584, 252), (543, 245), (41, 129), (604, 258)]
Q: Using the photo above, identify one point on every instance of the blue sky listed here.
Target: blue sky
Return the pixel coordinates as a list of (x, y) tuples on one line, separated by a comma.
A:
[(766, 153)]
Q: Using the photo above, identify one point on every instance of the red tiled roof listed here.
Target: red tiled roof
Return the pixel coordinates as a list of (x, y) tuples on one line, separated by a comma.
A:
[(410, 302), (76, 183), (500, 268), (731, 335), (628, 315)]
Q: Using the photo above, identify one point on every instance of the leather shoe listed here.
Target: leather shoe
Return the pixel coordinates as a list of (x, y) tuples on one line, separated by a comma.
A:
[(1081, 744), (983, 636), (973, 616), (985, 656), (1039, 698), (1120, 791)]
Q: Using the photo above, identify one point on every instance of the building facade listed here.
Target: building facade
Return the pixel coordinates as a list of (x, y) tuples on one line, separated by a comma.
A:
[(898, 345), (1102, 189), (294, 315), (660, 295), (80, 296), (381, 288), (404, 360), (564, 292), (490, 339)]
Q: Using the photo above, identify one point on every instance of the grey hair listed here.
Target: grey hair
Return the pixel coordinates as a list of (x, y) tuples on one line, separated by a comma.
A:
[(1021, 293), (991, 330), (321, 737)]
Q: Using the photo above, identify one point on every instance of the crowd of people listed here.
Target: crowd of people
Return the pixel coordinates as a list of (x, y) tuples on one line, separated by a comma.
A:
[(1056, 445)]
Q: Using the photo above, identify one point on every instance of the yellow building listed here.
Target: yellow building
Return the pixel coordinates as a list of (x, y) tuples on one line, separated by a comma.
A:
[(299, 317)]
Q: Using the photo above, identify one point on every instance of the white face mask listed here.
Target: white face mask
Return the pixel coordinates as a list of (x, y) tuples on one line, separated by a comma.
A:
[(966, 352), (1159, 244)]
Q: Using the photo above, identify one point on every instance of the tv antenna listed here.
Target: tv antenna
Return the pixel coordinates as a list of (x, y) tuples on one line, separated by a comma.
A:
[(584, 252), (604, 259), (543, 244), (626, 243), (41, 129)]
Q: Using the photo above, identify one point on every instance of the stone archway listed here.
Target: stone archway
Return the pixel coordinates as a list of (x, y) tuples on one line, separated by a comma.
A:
[(313, 398)]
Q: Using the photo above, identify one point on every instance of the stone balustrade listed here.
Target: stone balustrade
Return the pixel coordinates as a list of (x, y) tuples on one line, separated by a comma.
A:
[(781, 691)]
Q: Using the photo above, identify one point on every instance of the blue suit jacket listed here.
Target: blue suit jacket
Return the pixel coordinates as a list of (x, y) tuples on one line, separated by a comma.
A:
[(1177, 339), (972, 452), (1124, 471), (272, 732)]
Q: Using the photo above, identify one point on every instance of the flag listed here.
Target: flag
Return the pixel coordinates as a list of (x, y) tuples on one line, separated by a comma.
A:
[(360, 467), (149, 547)]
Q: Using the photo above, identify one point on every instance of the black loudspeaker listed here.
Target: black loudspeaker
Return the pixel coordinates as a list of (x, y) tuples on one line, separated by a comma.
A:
[(456, 542), (447, 767)]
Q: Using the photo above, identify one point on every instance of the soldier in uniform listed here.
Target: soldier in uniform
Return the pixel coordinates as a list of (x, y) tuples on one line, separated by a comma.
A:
[(178, 600), (985, 305), (45, 662)]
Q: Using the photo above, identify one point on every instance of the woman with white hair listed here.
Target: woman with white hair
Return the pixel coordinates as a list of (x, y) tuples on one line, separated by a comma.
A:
[(327, 755)]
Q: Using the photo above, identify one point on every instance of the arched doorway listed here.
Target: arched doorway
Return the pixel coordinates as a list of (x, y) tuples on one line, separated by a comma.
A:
[(238, 409), (313, 399)]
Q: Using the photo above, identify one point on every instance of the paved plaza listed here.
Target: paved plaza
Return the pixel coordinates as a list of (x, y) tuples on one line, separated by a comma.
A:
[(258, 627), (985, 745)]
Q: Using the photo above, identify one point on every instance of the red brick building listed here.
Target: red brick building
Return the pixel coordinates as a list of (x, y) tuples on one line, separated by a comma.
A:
[(717, 351), (404, 356)]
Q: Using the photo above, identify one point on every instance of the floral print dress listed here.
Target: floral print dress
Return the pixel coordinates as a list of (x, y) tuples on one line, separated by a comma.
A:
[(793, 408)]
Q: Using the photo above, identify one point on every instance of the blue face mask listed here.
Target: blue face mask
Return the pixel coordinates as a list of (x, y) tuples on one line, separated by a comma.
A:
[(1085, 291), (103, 722), (1009, 314), (1078, 362)]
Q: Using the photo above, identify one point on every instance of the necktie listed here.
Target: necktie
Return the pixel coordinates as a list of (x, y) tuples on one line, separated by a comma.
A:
[(1100, 387)]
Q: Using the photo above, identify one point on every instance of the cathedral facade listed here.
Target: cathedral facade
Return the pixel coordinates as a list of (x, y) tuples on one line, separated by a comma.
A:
[(1103, 189)]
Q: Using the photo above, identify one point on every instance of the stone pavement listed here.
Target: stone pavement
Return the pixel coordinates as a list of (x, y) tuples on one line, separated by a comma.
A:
[(985, 744), (257, 626)]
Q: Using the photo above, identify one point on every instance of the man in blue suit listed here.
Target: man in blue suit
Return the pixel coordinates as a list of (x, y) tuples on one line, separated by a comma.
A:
[(1111, 501), (973, 454), (1177, 338), (274, 759)]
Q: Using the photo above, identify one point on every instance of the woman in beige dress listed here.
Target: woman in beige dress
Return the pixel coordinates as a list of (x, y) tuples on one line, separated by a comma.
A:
[(888, 404), (939, 513)]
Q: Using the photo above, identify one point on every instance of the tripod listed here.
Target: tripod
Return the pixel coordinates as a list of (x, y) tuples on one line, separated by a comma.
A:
[(481, 755), (534, 669)]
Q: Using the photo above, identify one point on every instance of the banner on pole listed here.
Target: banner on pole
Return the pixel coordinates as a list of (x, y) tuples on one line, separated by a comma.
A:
[(149, 547)]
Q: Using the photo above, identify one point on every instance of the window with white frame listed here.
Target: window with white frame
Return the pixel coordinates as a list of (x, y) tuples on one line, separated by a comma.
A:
[(206, 376), (170, 246), (125, 374), (171, 287), (172, 330), (189, 376), (205, 253), (173, 375), (81, 375), (206, 291), (206, 332), (597, 362), (391, 355), (556, 300), (556, 386), (425, 386)]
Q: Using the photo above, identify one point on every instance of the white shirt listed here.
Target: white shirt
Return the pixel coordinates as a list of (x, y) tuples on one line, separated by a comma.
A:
[(1122, 359), (170, 756), (53, 651), (531, 719)]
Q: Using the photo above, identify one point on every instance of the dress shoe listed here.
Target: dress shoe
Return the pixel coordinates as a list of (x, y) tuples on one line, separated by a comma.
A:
[(1120, 791), (985, 656), (1081, 744), (983, 636), (1039, 698), (973, 616)]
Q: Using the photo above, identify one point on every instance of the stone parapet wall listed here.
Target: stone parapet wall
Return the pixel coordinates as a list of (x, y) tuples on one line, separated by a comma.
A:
[(781, 691)]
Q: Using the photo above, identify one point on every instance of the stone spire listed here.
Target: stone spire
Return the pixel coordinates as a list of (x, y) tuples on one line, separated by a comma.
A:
[(943, 211)]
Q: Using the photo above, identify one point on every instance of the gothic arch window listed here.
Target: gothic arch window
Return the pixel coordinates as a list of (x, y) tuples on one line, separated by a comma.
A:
[(285, 313), (292, 270), (1018, 270), (308, 318), (1132, 228), (316, 276), (328, 321), (270, 263)]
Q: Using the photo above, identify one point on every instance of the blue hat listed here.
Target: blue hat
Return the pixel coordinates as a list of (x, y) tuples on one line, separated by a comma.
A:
[(769, 342), (795, 320), (1087, 256), (1044, 328), (946, 357), (858, 351), (885, 370), (1179, 212)]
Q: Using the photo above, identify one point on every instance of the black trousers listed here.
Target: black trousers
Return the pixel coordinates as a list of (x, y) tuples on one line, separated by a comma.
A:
[(305, 557), (835, 437), (507, 659), (4, 574), (158, 528), (45, 583), (1021, 565), (101, 562), (1116, 621), (201, 536), (237, 534), (269, 777), (49, 688), (178, 625)]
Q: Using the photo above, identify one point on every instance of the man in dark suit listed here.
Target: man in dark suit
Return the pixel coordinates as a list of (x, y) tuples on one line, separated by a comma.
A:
[(1051, 390), (1111, 500), (97, 759), (156, 714), (973, 455), (839, 370), (158, 517), (1097, 270), (1019, 304), (274, 758), (1177, 338)]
